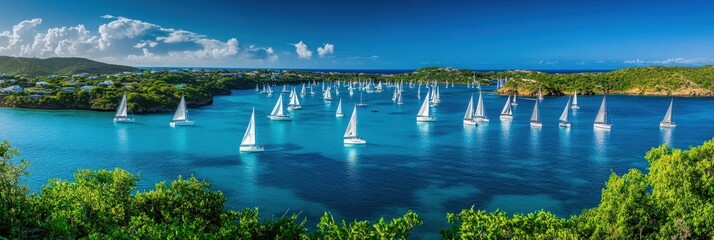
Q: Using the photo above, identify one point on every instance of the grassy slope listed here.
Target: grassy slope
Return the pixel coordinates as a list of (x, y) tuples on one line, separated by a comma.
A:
[(57, 66)]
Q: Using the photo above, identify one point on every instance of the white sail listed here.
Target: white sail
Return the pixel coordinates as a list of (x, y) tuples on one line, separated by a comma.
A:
[(470, 109), (294, 100), (540, 94), (278, 109), (480, 112), (515, 103), (122, 110), (327, 94), (303, 91), (565, 116), (535, 117), (668, 116), (352, 126), (419, 91), (507, 108), (424, 110), (602, 113), (249, 137), (399, 99), (339, 108), (181, 113), (575, 98)]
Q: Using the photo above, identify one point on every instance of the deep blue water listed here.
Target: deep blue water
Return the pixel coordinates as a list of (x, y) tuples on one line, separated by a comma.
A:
[(430, 168)]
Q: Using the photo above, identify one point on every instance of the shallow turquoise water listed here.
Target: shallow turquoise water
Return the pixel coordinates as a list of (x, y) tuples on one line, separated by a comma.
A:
[(431, 168)]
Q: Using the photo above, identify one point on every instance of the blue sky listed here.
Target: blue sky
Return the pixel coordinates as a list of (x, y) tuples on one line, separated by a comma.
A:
[(365, 34)]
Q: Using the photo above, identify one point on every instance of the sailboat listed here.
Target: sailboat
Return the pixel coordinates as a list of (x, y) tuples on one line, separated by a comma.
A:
[(327, 95), (361, 103), (181, 115), (480, 114), (424, 114), (303, 91), (535, 117), (602, 119), (122, 115), (257, 89), (248, 142), (294, 101), (565, 116), (575, 101), (312, 90), (469, 115), (270, 91), (399, 99), (285, 88), (419, 92), (351, 90), (667, 121), (351, 136), (514, 103), (337, 90), (507, 112), (339, 113), (278, 113)]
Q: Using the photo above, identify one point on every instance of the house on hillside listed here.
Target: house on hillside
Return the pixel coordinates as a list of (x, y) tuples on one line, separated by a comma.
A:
[(11, 89)]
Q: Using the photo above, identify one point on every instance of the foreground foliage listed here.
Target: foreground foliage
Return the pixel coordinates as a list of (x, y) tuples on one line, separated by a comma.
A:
[(674, 200)]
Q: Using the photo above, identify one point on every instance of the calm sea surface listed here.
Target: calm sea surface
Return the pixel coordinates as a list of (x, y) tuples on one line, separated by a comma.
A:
[(431, 168)]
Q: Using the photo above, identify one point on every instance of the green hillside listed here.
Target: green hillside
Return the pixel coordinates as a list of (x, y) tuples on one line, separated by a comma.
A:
[(57, 66)]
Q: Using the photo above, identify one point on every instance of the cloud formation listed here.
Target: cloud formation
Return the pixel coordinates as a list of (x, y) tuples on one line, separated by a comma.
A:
[(673, 61), (326, 50), (302, 51), (125, 41)]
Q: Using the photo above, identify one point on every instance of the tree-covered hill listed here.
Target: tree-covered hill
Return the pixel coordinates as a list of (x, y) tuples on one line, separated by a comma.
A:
[(57, 66)]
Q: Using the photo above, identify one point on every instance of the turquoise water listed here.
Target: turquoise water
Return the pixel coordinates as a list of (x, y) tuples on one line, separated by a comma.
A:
[(431, 168)]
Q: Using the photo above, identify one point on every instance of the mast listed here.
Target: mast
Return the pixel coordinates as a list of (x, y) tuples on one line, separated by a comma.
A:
[(575, 98), (249, 137), (339, 107), (278, 109)]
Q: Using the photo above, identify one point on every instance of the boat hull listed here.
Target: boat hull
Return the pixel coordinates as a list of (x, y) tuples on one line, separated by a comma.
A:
[(280, 118), (667, 125), (536, 124), (425, 119), (481, 119), (564, 124), (182, 123), (506, 117), (124, 120), (290, 108), (514, 104), (252, 148), (575, 107), (361, 104), (602, 125), (354, 141), (470, 122), (339, 115)]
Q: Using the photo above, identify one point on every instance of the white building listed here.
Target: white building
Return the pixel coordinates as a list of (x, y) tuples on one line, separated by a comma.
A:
[(41, 84), (13, 88), (107, 83), (86, 88)]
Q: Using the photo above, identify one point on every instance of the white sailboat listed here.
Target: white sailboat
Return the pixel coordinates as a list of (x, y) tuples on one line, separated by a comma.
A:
[(480, 114), (535, 117), (564, 120), (270, 91), (312, 90), (575, 101), (327, 94), (514, 103), (399, 99), (303, 91), (469, 115), (667, 120), (278, 113), (361, 103), (419, 92), (339, 113), (248, 144), (294, 101), (181, 115), (337, 90), (424, 114), (122, 115), (257, 89), (352, 92), (351, 136), (285, 88), (507, 112), (602, 119), (540, 94)]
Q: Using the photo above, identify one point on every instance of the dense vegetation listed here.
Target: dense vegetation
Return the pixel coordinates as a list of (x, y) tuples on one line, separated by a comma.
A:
[(674, 200), (679, 81), (57, 66)]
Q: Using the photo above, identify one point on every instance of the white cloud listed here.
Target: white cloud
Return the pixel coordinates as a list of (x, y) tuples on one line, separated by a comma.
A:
[(673, 61), (107, 16), (302, 51), (126, 41), (326, 50)]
